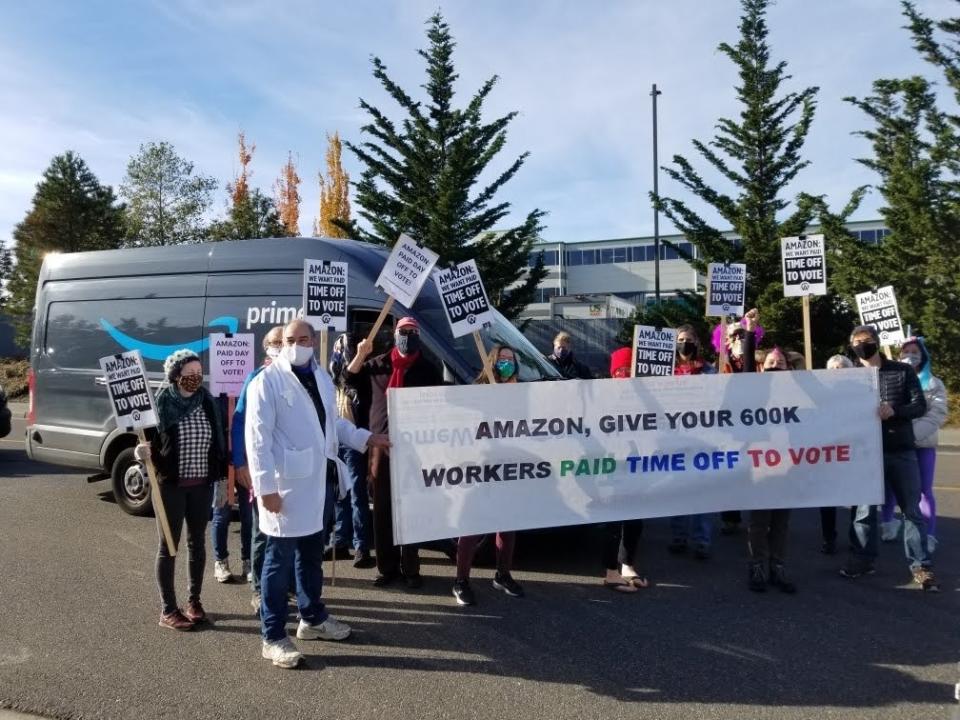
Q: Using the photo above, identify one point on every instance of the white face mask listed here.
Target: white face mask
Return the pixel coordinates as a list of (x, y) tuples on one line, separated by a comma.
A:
[(297, 355), (273, 353)]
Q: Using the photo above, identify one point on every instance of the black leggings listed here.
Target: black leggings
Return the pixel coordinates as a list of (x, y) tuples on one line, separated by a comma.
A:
[(193, 505), (620, 541)]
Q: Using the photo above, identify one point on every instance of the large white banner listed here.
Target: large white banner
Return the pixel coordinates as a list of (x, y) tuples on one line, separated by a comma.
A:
[(475, 459)]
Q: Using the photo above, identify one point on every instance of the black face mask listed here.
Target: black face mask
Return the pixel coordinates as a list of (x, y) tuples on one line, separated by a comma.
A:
[(407, 344), (866, 350), (687, 349)]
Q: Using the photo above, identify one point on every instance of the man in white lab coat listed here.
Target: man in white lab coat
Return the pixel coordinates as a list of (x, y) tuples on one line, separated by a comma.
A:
[(293, 434)]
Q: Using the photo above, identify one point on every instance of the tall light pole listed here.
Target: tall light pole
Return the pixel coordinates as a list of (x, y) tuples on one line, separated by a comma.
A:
[(656, 201)]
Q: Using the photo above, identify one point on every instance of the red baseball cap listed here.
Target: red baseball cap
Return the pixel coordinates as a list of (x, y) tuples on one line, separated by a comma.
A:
[(408, 322), (620, 358)]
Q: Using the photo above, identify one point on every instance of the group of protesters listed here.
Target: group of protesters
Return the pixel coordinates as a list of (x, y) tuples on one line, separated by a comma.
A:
[(309, 447)]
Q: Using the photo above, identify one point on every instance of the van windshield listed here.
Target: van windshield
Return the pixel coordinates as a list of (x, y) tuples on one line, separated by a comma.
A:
[(531, 363)]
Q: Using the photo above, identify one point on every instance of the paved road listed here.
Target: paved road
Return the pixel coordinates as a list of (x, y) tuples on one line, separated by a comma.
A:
[(78, 633)]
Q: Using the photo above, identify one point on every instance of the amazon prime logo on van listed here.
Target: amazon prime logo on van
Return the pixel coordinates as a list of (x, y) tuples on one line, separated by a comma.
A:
[(272, 315), (153, 351)]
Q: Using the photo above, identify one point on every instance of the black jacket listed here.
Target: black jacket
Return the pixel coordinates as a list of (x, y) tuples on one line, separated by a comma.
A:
[(900, 387), (165, 451), (571, 368), (371, 386)]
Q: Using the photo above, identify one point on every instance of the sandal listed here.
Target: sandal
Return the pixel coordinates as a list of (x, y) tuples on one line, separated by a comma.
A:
[(638, 581), (619, 586)]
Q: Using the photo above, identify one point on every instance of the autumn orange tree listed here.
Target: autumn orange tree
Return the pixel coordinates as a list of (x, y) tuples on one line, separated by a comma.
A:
[(251, 213), (287, 192), (334, 194)]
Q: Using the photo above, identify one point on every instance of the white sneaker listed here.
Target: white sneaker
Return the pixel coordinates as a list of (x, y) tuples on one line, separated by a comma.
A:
[(221, 571), (246, 571), (329, 629), (889, 530), (283, 653)]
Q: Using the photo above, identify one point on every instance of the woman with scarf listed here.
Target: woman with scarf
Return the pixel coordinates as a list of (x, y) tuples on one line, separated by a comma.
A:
[(189, 452), (768, 529), (403, 366), (503, 360), (622, 539), (690, 362), (926, 431)]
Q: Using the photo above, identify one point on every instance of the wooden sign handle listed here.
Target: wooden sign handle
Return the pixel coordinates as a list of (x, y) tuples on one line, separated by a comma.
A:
[(158, 506), (484, 359), (807, 342), (380, 318), (723, 344), (324, 346)]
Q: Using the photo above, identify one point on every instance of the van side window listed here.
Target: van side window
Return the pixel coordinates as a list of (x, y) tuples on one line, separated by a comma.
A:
[(77, 334)]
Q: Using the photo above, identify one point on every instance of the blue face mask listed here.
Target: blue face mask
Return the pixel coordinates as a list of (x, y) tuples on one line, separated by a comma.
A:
[(506, 369)]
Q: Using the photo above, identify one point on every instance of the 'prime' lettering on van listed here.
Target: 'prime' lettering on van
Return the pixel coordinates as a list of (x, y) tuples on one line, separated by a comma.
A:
[(272, 315)]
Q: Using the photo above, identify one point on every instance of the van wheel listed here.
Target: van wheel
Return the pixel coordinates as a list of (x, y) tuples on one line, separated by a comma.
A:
[(131, 486)]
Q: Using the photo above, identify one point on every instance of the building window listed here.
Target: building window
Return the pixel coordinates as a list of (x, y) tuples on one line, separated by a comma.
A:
[(550, 257), (687, 248), (620, 255), (670, 253), (606, 256), (574, 257), (589, 257), (868, 236)]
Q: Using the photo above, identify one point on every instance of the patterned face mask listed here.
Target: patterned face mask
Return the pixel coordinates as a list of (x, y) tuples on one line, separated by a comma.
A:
[(190, 383)]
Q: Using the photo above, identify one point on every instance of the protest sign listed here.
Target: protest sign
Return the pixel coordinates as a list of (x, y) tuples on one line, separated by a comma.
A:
[(468, 460), (654, 351), (726, 289), (464, 299), (231, 360), (325, 294), (132, 404), (406, 270), (130, 396), (879, 309), (804, 265), (403, 275)]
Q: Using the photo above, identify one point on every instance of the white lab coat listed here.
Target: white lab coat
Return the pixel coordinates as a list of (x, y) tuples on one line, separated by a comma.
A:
[(287, 450)]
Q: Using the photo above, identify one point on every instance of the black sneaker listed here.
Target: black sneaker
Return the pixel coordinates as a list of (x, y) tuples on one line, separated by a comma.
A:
[(414, 582), (505, 583), (757, 578), (362, 560), (829, 547), (463, 593), (677, 546), (778, 578), (384, 579), (857, 568)]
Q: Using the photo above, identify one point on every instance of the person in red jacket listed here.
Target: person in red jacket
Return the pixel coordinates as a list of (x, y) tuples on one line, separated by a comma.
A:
[(622, 539)]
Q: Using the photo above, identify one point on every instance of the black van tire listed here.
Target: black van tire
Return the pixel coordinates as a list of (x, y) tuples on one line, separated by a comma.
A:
[(131, 486)]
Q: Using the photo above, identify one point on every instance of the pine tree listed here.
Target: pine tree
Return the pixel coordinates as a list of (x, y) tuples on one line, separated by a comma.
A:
[(166, 200), (71, 212), (916, 155), (287, 193), (756, 156), (334, 194), (419, 177)]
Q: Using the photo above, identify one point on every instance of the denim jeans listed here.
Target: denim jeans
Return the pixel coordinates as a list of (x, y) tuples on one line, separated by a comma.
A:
[(294, 562), (901, 475), (221, 524), (700, 527), (353, 511), (258, 545)]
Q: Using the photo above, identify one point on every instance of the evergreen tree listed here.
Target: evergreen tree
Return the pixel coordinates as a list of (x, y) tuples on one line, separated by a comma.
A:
[(916, 154), (334, 194), (756, 156), (166, 200), (419, 178), (71, 212)]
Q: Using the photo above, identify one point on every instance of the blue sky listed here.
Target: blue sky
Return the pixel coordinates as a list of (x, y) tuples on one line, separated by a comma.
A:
[(102, 77)]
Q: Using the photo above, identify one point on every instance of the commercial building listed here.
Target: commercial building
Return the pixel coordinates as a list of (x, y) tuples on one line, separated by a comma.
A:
[(580, 275)]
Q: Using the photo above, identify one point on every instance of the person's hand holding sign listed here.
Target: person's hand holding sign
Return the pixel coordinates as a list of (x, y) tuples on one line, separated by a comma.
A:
[(364, 348), (751, 320), (886, 411), (271, 502), (381, 442), (142, 452)]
